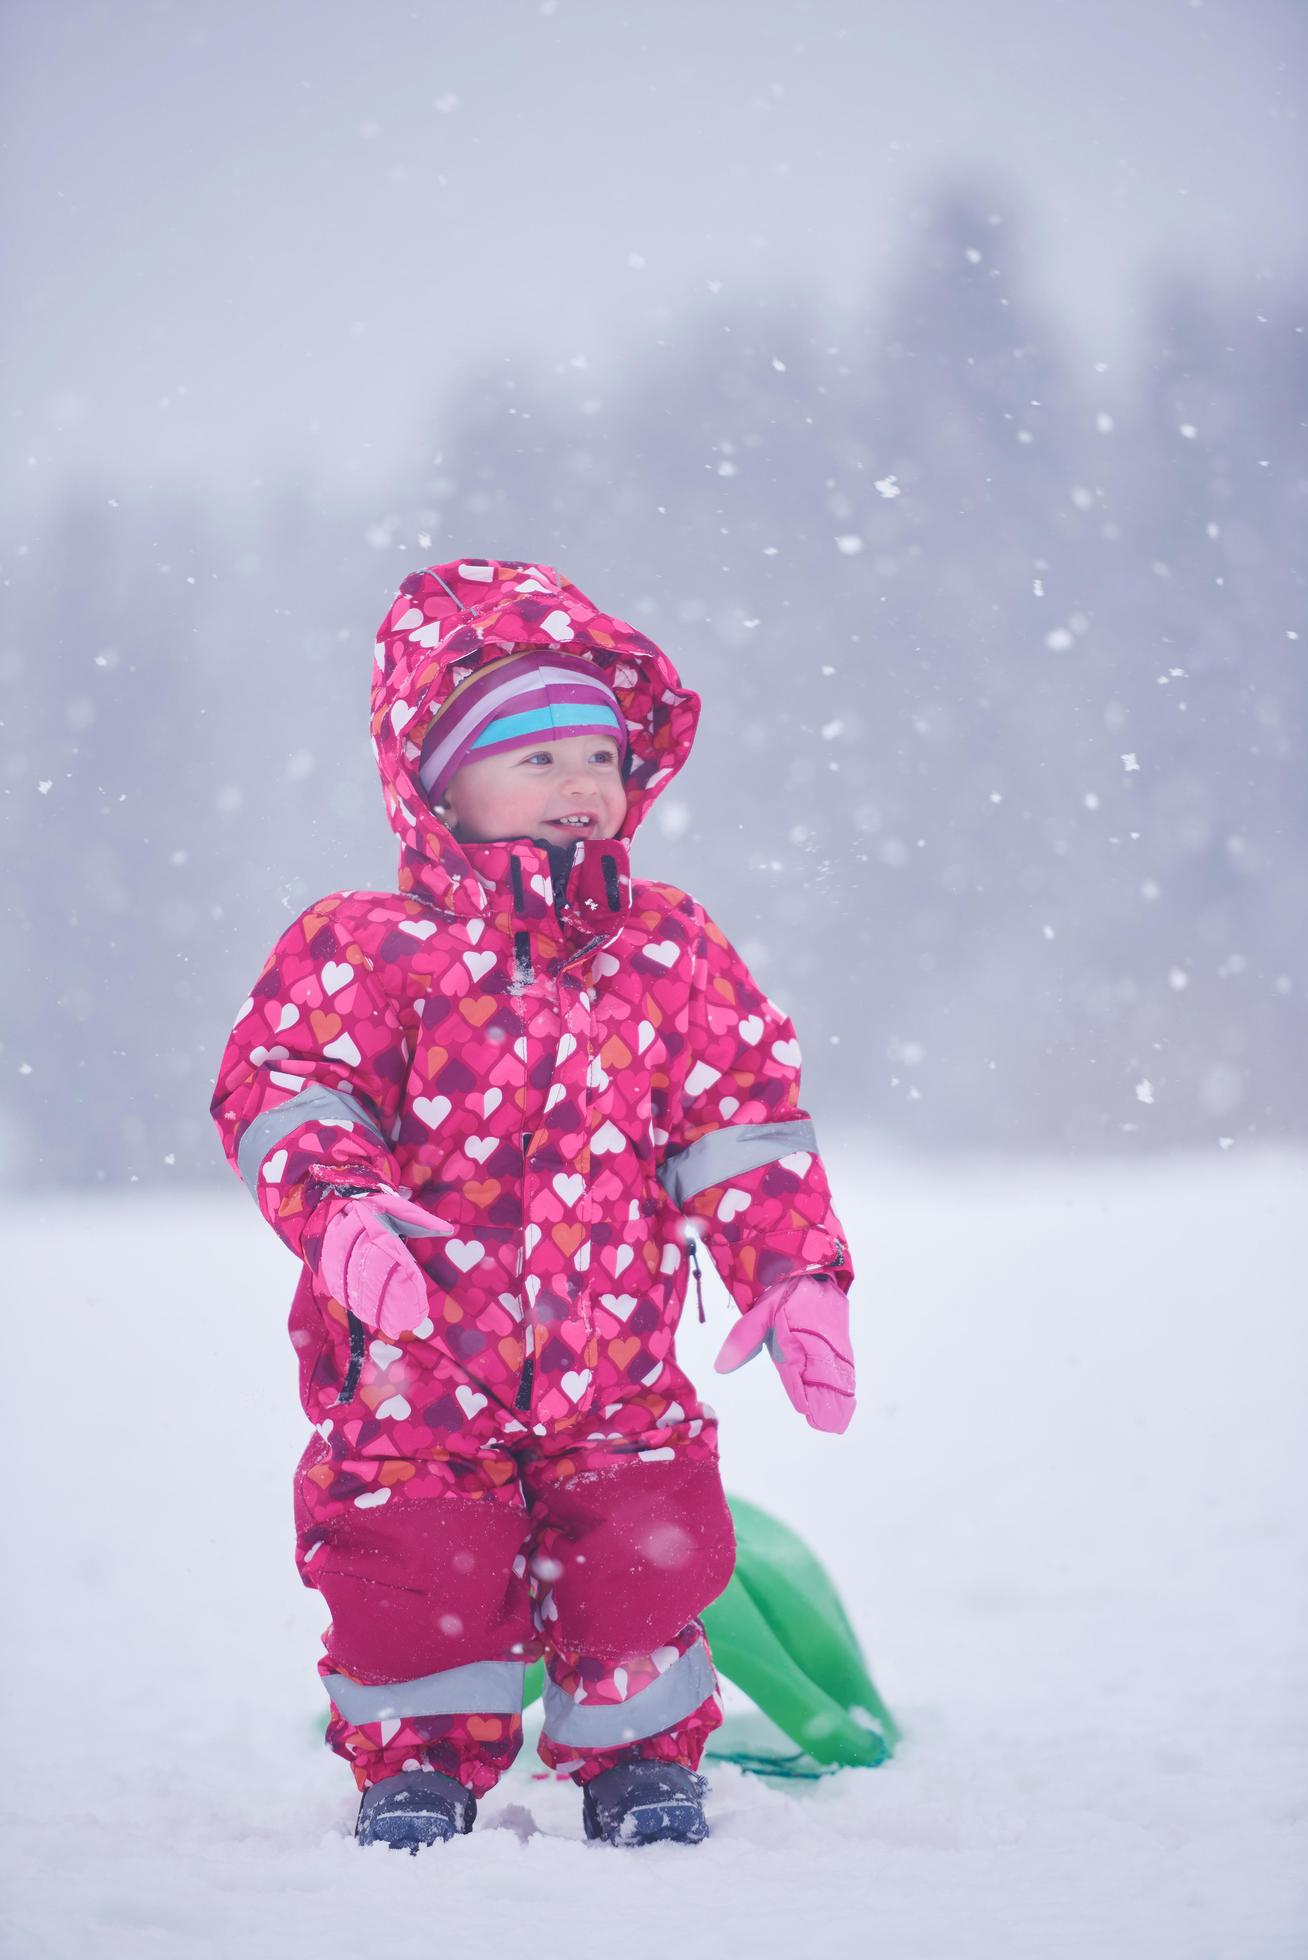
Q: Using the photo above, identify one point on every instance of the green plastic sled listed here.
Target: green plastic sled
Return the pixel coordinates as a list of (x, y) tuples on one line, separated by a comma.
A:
[(781, 1634)]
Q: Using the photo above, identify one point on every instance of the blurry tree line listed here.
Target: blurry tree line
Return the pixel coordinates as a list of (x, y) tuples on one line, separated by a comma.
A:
[(1000, 782)]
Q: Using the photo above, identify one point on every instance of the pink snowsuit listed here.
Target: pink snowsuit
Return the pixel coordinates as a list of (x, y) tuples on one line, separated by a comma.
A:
[(566, 1086)]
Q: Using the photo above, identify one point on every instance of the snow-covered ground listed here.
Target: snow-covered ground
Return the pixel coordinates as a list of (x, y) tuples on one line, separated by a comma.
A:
[(1069, 1521)]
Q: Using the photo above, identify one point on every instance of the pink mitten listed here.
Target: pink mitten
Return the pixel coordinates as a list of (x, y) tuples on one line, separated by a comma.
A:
[(364, 1263), (804, 1324)]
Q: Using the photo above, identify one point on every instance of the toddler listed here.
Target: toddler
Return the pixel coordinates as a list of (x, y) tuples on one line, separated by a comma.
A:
[(491, 1112)]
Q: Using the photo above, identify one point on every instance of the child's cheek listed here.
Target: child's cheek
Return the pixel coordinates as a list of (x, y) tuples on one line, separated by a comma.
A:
[(617, 810)]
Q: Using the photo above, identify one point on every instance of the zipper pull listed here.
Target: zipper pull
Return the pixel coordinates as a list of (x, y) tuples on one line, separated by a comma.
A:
[(694, 1266)]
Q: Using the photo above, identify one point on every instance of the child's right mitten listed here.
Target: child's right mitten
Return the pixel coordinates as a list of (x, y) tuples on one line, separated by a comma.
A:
[(363, 1262), (803, 1322)]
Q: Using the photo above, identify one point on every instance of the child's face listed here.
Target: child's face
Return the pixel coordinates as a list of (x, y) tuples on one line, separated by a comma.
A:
[(528, 792)]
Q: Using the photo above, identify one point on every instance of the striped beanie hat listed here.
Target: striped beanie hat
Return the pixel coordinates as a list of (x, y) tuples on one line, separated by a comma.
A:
[(508, 703)]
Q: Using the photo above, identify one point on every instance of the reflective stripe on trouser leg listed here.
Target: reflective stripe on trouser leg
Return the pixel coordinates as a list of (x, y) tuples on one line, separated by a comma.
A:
[(608, 1725), (480, 1688), (469, 1727)]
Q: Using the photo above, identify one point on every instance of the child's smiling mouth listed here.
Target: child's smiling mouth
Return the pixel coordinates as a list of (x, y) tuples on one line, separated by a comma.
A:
[(579, 822)]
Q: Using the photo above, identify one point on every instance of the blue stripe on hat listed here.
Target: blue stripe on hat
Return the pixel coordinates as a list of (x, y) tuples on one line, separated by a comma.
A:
[(548, 720)]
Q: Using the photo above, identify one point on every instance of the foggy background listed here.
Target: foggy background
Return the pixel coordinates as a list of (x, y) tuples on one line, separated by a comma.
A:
[(931, 382)]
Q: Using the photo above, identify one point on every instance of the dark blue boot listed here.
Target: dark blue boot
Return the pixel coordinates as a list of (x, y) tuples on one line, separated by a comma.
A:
[(416, 1808), (645, 1803)]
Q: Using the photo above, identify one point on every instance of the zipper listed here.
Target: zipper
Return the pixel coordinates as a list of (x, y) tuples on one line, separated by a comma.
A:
[(358, 1344), (600, 939), (522, 1400), (526, 1381)]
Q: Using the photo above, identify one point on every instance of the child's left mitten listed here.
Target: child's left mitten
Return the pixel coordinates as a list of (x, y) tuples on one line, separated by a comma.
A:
[(804, 1324), (364, 1263)]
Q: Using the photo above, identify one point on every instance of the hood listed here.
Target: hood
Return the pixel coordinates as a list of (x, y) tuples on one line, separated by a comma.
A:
[(448, 620)]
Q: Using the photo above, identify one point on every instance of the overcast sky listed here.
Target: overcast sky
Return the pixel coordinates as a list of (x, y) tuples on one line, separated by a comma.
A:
[(242, 233)]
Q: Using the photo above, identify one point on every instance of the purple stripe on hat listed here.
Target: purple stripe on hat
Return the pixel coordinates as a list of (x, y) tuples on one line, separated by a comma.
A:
[(535, 680)]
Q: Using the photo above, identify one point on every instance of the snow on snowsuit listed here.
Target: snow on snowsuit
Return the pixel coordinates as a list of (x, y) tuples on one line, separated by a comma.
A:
[(576, 1073)]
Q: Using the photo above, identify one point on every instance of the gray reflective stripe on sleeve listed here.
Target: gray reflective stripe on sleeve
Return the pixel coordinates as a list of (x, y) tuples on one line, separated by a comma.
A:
[(480, 1688), (602, 1725), (720, 1155), (315, 1104)]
